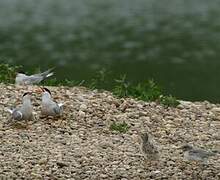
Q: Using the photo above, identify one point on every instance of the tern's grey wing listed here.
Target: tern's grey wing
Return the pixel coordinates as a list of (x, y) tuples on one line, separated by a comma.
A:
[(29, 80), (36, 78), (200, 153), (56, 109)]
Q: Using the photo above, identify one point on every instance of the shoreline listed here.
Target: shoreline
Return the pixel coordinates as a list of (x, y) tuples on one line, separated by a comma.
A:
[(81, 145)]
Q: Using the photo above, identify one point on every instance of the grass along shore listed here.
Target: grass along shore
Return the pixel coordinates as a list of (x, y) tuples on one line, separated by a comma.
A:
[(146, 91)]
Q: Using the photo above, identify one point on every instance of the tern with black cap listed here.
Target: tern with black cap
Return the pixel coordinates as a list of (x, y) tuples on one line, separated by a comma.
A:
[(23, 79), (49, 106), (25, 112)]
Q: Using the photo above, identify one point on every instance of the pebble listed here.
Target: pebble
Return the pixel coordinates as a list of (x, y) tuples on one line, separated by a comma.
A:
[(83, 107), (81, 114), (216, 109)]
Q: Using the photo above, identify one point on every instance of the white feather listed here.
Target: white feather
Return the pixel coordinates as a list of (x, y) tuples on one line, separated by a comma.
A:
[(50, 74), (60, 104), (9, 110)]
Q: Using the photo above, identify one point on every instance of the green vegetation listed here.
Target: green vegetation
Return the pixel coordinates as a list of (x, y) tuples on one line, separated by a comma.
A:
[(147, 91), (169, 101), (65, 82), (120, 127), (121, 88), (8, 73), (99, 79)]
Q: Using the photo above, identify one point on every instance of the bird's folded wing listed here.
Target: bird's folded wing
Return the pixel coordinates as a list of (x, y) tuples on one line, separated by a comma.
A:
[(199, 153), (56, 110), (17, 115)]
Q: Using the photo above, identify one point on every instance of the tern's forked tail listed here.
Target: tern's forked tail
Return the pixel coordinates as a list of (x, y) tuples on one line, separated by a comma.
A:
[(9, 110), (60, 104), (48, 73)]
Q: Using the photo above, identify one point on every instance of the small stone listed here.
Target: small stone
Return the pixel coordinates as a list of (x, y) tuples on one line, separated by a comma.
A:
[(103, 175), (43, 161), (83, 107), (81, 114), (216, 109), (170, 163)]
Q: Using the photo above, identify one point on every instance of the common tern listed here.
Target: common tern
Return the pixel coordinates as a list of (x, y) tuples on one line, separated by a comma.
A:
[(49, 106), (25, 112), (23, 79), (195, 154)]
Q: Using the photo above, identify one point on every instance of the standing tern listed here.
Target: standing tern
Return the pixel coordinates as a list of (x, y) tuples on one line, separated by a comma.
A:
[(25, 112), (49, 106)]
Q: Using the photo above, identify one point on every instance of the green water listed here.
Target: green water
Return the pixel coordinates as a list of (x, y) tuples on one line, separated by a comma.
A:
[(177, 43)]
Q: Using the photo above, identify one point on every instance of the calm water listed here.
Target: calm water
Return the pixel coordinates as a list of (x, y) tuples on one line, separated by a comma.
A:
[(175, 42)]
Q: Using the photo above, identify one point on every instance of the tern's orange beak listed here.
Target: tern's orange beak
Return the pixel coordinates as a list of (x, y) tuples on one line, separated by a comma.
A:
[(39, 90)]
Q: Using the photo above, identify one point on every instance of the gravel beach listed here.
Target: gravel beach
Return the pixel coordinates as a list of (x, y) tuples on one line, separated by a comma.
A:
[(80, 145)]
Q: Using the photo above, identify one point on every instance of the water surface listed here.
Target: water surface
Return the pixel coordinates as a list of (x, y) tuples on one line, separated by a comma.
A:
[(177, 43)]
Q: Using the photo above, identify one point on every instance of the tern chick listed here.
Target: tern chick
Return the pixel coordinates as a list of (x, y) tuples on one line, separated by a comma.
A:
[(148, 149), (196, 154), (23, 79), (25, 112), (49, 106)]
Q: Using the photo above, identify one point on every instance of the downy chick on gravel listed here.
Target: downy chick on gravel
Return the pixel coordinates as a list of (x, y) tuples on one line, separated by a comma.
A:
[(195, 154), (148, 148), (25, 112), (48, 106), (23, 79)]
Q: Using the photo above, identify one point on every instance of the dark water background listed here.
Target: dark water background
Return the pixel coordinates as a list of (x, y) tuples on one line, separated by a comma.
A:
[(177, 43)]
